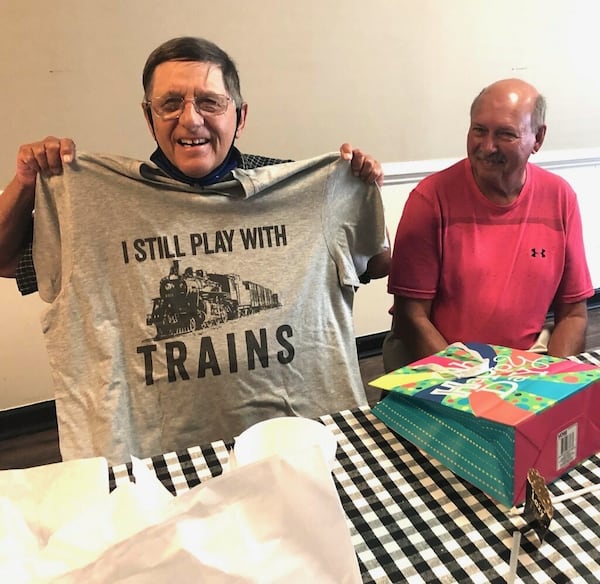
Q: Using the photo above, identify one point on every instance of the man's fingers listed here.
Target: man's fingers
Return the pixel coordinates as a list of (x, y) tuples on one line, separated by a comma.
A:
[(362, 165), (67, 150), (346, 151), (367, 168), (46, 156)]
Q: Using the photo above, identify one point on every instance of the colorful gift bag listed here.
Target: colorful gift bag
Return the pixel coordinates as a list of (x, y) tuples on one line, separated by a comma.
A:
[(490, 413)]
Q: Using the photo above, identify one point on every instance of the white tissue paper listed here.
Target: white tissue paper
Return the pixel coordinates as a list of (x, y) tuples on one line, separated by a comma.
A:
[(273, 521), (276, 520), (36, 502)]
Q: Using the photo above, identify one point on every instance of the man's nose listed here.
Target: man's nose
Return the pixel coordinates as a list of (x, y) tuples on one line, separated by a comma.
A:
[(190, 117), (488, 143)]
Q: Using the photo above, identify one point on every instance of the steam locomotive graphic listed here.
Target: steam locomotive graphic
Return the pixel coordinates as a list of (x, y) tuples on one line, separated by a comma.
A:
[(197, 299)]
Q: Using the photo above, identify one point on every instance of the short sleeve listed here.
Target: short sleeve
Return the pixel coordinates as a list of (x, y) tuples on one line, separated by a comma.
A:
[(353, 222)]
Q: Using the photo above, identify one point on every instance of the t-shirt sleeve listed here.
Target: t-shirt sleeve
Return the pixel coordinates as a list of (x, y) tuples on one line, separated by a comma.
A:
[(47, 239), (415, 268), (353, 223), (576, 283)]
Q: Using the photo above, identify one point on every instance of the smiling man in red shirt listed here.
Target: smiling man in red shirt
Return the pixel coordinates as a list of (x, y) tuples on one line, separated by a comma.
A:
[(486, 248)]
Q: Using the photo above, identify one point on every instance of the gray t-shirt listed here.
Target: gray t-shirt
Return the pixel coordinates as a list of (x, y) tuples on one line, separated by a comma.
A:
[(182, 315)]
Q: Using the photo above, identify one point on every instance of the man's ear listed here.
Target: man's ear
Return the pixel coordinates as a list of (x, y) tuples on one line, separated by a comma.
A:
[(539, 138), (241, 119), (148, 115)]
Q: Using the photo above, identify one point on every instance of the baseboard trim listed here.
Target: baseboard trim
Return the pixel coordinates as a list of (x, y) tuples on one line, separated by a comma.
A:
[(370, 345), (28, 419), (594, 301)]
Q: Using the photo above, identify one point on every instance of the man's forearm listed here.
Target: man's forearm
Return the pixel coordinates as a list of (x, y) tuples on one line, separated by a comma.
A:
[(570, 324), (568, 337), (16, 207), (425, 341), (419, 337), (412, 325)]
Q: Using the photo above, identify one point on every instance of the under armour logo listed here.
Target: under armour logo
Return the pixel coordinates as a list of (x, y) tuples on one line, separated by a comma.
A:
[(535, 252)]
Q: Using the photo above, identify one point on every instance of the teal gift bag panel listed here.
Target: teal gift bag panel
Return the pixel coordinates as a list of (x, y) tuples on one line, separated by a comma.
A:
[(479, 451)]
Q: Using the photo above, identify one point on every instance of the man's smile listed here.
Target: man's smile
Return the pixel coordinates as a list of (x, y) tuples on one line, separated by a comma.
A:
[(190, 142)]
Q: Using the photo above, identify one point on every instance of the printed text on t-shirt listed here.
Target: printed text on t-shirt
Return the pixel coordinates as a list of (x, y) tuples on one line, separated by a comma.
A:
[(160, 247)]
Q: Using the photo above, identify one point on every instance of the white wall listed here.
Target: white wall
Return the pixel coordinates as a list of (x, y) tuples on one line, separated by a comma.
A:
[(24, 370)]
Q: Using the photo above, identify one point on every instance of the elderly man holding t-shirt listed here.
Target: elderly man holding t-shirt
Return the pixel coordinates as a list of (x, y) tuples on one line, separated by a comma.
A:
[(202, 292)]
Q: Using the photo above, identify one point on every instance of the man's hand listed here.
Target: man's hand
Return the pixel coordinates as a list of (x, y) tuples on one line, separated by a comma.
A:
[(364, 166), (46, 156), (16, 203)]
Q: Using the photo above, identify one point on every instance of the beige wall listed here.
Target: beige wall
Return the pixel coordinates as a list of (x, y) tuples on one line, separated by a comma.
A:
[(393, 76), (24, 370)]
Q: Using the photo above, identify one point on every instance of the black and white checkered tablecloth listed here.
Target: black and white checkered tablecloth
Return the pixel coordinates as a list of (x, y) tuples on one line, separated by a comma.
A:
[(412, 520)]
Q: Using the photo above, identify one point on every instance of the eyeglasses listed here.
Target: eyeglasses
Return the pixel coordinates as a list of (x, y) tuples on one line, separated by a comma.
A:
[(170, 107)]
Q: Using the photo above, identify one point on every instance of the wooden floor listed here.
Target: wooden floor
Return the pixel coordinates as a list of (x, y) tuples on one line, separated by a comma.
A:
[(42, 447)]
